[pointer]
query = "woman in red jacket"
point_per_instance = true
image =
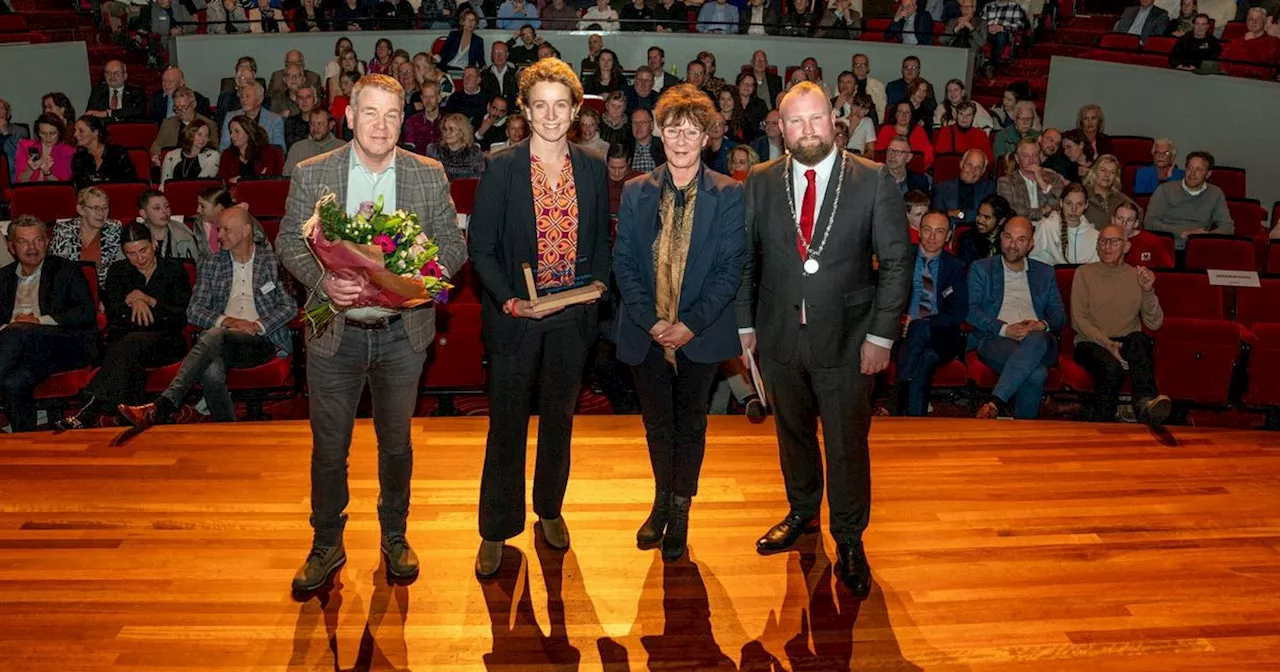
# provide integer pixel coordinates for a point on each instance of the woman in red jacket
(250, 154)
(904, 125)
(962, 136)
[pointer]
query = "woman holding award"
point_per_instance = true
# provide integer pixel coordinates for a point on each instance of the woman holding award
(541, 223)
(681, 245)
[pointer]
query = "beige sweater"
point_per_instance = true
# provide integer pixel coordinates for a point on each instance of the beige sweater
(1106, 303)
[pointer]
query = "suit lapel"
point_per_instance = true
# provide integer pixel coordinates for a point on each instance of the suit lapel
(336, 173)
(47, 279)
(521, 184)
(647, 216)
(828, 200)
(704, 210)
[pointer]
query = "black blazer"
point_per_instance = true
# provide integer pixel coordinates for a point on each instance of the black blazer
(845, 299)
(772, 18)
(774, 83)
(133, 106)
(510, 84)
(159, 106)
(503, 236)
(64, 296)
(712, 272)
(116, 167)
(169, 286)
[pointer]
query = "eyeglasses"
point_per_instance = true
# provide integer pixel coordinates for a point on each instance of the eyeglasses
(1109, 242)
(671, 133)
(899, 152)
(96, 208)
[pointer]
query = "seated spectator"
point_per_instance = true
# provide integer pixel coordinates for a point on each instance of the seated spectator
(800, 19)
(760, 17)
(646, 149)
(472, 101)
(90, 236)
(348, 64)
(1143, 248)
(712, 84)
(249, 155)
(285, 102)
(559, 16)
(171, 239)
(715, 155)
(1111, 303)
(501, 77)
(904, 126)
(727, 106)
(917, 202)
(115, 99)
(226, 17)
(462, 47)
(263, 18)
(741, 159)
(162, 103)
(1013, 335)
(1031, 190)
(52, 103)
(1066, 236)
(119, 15)
(840, 21)
(846, 89)
(194, 158)
(920, 97)
(695, 74)
(49, 316)
(424, 70)
(938, 305)
(1196, 46)
(965, 31)
(962, 136)
(749, 107)
(1078, 153)
(1143, 20)
(1003, 114)
(338, 109)
(911, 25)
(229, 98)
(717, 17)
(457, 149)
(493, 127)
(1164, 168)
(1184, 22)
(947, 112)
(1191, 205)
(47, 158)
(513, 14)
(145, 299)
(11, 134)
(636, 16)
(307, 100)
(318, 141)
(244, 311)
(600, 16)
(960, 197)
(353, 15)
(670, 16)
(185, 113)
(589, 131)
(1051, 155)
(768, 83)
(607, 76)
(813, 73)
(210, 205)
(526, 46)
(251, 107)
(1023, 127)
(615, 126)
(1255, 53)
(983, 240)
(871, 86)
(897, 156)
(618, 164)
(96, 161)
(1002, 21)
(771, 145)
(641, 92)
(862, 133)
(1103, 183)
(310, 17)
(334, 68)
(1092, 124)
(517, 129)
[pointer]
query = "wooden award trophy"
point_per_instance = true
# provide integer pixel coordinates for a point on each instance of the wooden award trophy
(563, 299)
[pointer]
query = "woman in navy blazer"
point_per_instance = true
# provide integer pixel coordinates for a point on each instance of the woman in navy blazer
(462, 37)
(674, 326)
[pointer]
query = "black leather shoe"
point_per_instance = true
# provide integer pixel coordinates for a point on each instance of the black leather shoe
(402, 562)
(650, 533)
(784, 535)
(676, 540)
(853, 569)
(756, 412)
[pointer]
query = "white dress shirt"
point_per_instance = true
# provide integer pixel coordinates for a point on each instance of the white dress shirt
(1033, 191)
(27, 300)
(1016, 306)
(240, 303)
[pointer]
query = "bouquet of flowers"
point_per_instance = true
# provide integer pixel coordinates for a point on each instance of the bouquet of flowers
(389, 251)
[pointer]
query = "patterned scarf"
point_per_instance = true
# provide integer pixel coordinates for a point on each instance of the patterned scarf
(671, 249)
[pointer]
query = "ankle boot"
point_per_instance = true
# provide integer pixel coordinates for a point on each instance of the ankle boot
(677, 536)
(651, 531)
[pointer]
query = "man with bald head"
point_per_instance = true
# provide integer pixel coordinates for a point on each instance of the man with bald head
(824, 323)
(115, 99)
(278, 87)
(960, 196)
(244, 313)
(1111, 303)
(1015, 312)
(171, 82)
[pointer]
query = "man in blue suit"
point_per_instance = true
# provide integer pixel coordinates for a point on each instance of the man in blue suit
(959, 197)
(911, 25)
(938, 306)
(1015, 311)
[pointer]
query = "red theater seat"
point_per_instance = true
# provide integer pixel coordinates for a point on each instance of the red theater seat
(1132, 149)
(49, 202)
(141, 164)
(275, 374)
(137, 135)
(184, 195)
(1258, 305)
(1227, 253)
(946, 167)
(1197, 348)
(456, 361)
(1189, 295)
(266, 198)
(873, 30)
(1123, 41)
(463, 192)
(122, 198)
(1232, 181)
(1247, 215)
(69, 383)
(1264, 367)
(1159, 45)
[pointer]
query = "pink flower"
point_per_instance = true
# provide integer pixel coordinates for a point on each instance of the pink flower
(432, 269)
(384, 241)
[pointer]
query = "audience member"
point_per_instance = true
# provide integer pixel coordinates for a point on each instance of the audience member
(244, 312)
(90, 236)
(319, 140)
(338, 108)
(285, 102)
(716, 152)
(310, 17)
(46, 158)
(657, 62)
(760, 17)
(636, 16)
(279, 86)
(1078, 154)
(862, 136)
(911, 25)
(227, 17)
(1182, 23)
(1031, 190)
(753, 109)
(1191, 205)
(600, 16)
(307, 100)
(462, 47)
(607, 76)
(589, 131)
(500, 78)
(514, 14)
(800, 19)
(1144, 20)
(52, 103)
(618, 164)
(840, 21)
(380, 64)
(595, 44)
(741, 159)
(960, 197)
(49, 316)
(425, 70)
(948, 111)
(920, 97)
(896, 91)
(1023, 127)
(904, 126)
(1093, 124)
(871, 86)
(162, 103)
(897, 156)
(251, 108)
(421, 130)
(249, 154)
(646, 148)
(1164, 168)
(917, 204)
(1111, 303)
(471, 102)
(1015, 311)
(172, 239)
(559, 16)
(457, 150)
(727, 106)
(95, 160)
(517, 129)
(1051, 155)
(11, 134)
(641, 92)
(115, 99)
(770, 145)
(615, 126)
(1002, 21)
(349, 66)
(1103, 183)
(1143, 248)
(1004, 113)
(670, 16)
(185, 113)
(1196, 46)
(493, 127)
(717, 17)
(965, 30)
(983, 240)
(812, 72)
(768, 83)
(1066, 236)
(145, 300)
(962, 135)
(711, 84)
(194, 158)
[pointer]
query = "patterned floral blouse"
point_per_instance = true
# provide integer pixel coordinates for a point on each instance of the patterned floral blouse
(556, 212)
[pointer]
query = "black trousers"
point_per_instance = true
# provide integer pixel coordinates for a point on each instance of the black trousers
(800, 392)
(1108, 374)
(123, 376)
(28, 355)
(549, 360)
(673, 404)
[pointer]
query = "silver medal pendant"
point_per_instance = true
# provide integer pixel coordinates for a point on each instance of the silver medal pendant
(810, 266)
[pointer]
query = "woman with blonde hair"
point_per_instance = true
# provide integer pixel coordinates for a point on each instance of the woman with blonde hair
(1092, 123)
(1103, 184)
(457, 149)
(541, 216)
(91, 236)
(741, 159)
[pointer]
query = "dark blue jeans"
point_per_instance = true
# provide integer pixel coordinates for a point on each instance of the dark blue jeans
(214, 352)
(1023, 367)
(917, 360)
(389, 365)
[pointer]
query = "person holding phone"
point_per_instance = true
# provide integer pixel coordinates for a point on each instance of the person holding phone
(45, 158)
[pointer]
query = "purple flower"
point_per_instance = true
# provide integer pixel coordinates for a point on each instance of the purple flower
(443, 297)
(366, 208)
(432, 269)
(384, 241)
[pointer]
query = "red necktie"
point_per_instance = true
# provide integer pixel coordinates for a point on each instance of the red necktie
(115, 99)
(806, 212)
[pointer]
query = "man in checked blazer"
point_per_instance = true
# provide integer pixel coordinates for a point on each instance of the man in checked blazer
(384, 348)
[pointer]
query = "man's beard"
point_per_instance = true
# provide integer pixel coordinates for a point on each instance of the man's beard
(811, 155)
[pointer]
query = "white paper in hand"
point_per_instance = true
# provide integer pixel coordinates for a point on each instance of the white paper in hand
(757, 380)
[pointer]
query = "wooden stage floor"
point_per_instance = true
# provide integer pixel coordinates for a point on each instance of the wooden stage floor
(995, 546)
